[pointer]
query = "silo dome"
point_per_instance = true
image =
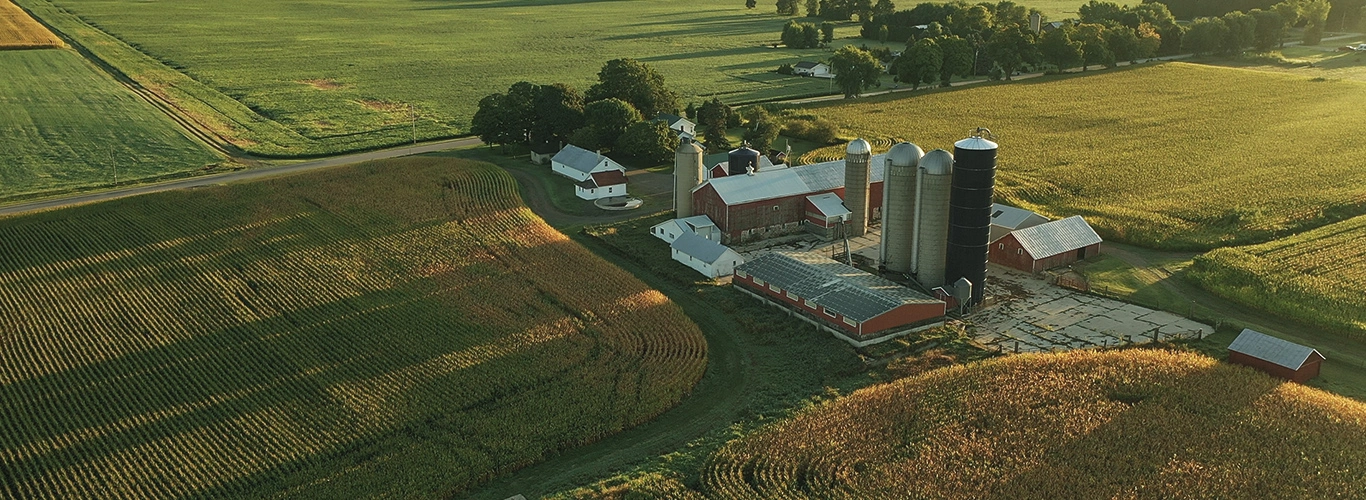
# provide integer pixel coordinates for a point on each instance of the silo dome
(859, 147)
(975, 144)
(937, 162)
(905, 154)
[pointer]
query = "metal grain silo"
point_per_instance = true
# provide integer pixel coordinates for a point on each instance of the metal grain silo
(974, 179)
(898, 206)
(931, 236)
(856, 177)
(688, 173)
(741, 160)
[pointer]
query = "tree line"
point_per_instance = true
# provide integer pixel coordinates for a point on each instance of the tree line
(617, 113)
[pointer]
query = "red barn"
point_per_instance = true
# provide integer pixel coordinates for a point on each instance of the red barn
(1046, 246)
(1280, 358)
(772, 201)
(860, 305)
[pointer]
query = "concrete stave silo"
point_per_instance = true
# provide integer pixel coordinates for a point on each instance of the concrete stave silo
(974, 181)
(688, 173)
(931, 235)
(899, 206)
(856, 178)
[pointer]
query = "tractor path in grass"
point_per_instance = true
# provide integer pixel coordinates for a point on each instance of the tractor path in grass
(230, 177)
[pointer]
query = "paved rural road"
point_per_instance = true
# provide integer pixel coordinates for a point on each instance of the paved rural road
(238, 176)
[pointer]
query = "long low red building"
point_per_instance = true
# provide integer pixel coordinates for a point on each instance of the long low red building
(772, 201)
(859, 305)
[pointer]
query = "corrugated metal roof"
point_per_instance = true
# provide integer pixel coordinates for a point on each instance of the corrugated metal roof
(577, 158)
(1011, 217)
(705, 250)
(1059, 236)
(839, 288)
(792, 181)
(609, 178)
(1265, 347)
(829, 205)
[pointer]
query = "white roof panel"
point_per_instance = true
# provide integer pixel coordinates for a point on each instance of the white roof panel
(829, 205)
(1011, 217)
(698, 247)
(792, 181)
(1057, 237)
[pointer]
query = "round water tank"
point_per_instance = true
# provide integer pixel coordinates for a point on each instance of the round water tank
(742, 159)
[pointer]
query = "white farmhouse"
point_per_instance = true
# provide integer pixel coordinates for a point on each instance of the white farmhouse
(580, 164)
(816, 69)
(701, 225)
(705, 256)
(685, 128)
(602, 185)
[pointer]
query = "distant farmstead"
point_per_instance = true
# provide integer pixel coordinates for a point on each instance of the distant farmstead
(857, 306)
(1046, 246)
(685, 128)
(1280, 358)
(816, 69)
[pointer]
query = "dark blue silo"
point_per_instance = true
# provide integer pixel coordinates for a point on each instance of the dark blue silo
(742, 158)
(970, 200)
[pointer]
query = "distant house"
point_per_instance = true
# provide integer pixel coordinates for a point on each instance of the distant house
(700, 225)
(602, 185)
(1005, 218)
(580, 164)
(1280, 358)
(685, 128)
(705, 256)
(1046, 246)
(816, 69)
(824, 214)
(1047, 27)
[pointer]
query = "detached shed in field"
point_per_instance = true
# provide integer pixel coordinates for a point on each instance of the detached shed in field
(1278, 357)
(1046, 246)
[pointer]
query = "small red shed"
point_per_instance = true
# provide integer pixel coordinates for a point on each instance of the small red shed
(1046, 246)
(1280, 358)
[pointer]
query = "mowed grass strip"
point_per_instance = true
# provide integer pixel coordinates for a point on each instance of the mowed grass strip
(1316, 277)
(68, 126)
(1083, 424)
(18, 30)
(1172, 156)
(288, 78)
(405, 328)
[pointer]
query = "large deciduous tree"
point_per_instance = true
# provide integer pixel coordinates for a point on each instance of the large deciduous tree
(1093, 47)
(920, 63)
(1123, 42)
(649, 142)
(559, 112)
(787, 7)
(958, 58)
(761, 130)
(1268, 29)
(1290, 11)
(1011, 47)
(606, 120)
(855, 70)
(1059, 49)
(1316, 14)
(491, 121)
(639, 85)
(1206, 35)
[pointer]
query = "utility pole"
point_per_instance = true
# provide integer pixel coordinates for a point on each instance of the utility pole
(412, 113)
(113, 165)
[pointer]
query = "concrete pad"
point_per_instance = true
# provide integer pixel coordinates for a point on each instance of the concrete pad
(1160, 317)
(1106, 325)
(1057, 305)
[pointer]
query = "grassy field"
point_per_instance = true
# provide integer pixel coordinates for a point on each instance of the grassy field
(1187, 166)
(68, 126)
(1316, 277)
(403, 328)
(19, 31)
(1085, 424)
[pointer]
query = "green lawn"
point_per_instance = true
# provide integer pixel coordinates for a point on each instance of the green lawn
(1206, 157)
(65, 125)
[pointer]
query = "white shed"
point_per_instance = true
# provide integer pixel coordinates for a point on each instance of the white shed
(705, 256)
(701, 225)
(580, 164)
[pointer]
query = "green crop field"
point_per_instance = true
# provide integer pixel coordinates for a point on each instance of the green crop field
(1084, 424)
(1317, 277)
(68, 126)
(403, 328)
(290, 78)
(1173, 155)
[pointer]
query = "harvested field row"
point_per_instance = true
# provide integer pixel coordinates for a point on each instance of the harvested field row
(19, 31)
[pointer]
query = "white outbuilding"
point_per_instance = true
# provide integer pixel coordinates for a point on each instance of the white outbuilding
(602, 185)
(705, 256)
(580, 164)
(701, 225)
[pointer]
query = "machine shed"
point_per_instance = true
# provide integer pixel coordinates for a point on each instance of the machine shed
(1046, 246)
(1278, 357)
(858, 304)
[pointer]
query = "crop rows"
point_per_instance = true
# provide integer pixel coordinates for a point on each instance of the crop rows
(1202, 162)
(19, 31)
(1317, 276)
(1083, 424)
(318, 334)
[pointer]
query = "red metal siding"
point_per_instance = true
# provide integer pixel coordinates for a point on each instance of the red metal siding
(1008, 252)
(760, 218)
(1307, 371)
(904, 315)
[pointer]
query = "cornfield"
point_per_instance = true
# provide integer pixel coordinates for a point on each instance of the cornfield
(1128, 424)
(19, 31)
(1209, 157)
(1316, 277)
(404, 328)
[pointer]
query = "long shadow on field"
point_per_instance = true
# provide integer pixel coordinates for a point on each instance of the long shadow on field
(1167, 437)
(469, 5)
